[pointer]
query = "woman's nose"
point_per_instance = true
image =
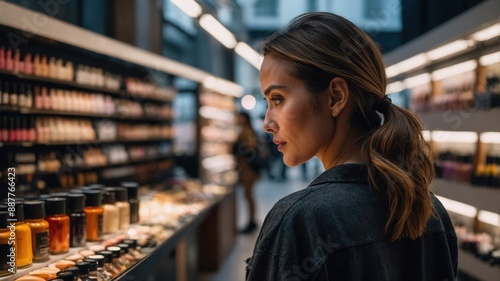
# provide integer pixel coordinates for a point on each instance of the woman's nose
(269, 125)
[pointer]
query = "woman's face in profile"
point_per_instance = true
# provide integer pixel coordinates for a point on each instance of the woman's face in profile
(300, 130)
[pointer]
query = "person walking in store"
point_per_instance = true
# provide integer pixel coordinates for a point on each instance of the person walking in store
(370, 215)
(246, 151)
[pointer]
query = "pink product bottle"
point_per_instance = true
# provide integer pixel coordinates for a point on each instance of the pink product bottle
(2, 57)
(28, 64)
(16, 61)
(9, 64)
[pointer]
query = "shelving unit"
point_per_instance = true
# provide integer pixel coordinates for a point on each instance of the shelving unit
(454, 86)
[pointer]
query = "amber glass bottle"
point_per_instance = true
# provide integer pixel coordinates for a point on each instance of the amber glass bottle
(34, 218)
(24, 254)
(6, 262)
(58, 225)
(94, 212)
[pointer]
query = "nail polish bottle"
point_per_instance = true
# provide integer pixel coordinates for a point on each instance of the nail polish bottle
(29, 97)
(78, 220)
(4, 132)
(22, 95)
(37, 70)
(5, 94)
(94, 213)
(61, 71)
(13, 95)
(2, 57)
(45, 98)
(44, 67)
(12, 129)
(18, 129)
(38, 98)
(32, 131)
(16, 61)
(28, 64)
(70, 72)
(9, 63)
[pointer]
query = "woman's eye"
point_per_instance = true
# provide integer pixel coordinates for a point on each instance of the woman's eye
(276, 101)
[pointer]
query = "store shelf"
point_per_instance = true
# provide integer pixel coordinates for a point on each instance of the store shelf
(483, 198)
(32, 111)
(476, 121)
(74, 85)
(90, 142)
(477, 268)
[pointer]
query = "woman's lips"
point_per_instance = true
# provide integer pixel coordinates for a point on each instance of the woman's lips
(280, 144)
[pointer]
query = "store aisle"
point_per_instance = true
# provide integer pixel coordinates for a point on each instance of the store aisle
(267, 193)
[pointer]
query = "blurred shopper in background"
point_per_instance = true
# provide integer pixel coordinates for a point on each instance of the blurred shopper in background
(246, 150)
(370, 215)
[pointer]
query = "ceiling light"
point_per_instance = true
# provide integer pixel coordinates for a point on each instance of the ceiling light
(487, 33)
(489, 217)
(218, 31)
(490, 137)
(249, 54)
(223, 86)
(448, 49)
(490, 59)
(454, 137)
(418, 80)
(395, 87)
(406, 65)
(454, 70)
(190, 7)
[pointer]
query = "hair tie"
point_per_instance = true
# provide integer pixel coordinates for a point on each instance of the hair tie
(382, 104)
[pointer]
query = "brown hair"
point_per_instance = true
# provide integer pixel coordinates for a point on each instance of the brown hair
(318, 47)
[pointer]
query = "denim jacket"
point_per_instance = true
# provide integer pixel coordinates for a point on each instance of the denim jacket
(334, 230)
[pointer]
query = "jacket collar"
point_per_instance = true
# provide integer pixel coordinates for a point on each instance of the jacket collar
(352, 173)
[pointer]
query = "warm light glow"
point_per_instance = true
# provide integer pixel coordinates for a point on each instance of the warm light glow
(248, 102)
(490, 137)
(218, 31)
(210, 112)
(490, 59)
(427, 135)
(455, 137)
(190, 7)
(489, 217)
(406, 65)
(249, 54)
(487, 33)
(218, 163)
(458, 207)
(395, 87)
(418, 80)
(454, 70)
(223, 86)
(448, 49)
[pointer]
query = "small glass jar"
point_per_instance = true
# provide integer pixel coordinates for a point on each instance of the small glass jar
(132, 191)
(123, 206)
(24, 254)
(101, 273)
(109, 266)
(7, 258)
(34, 218)
(94, 213)
(111, 215)
(77, 220)
(58, 225)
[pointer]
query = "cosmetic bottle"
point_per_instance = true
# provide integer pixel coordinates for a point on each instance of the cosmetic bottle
(5, 93)
(9, 63)
(22, 95)
(29, 97)
(111, 215)
(7, 258)
(101, 272)
(78, 219)
(16, 60)
(2, 57)
(13, 95)
(123, 206)
(132, 191)
(24, 254)
(34, 218)
(59, 225)
(94, 213)
(28, 64)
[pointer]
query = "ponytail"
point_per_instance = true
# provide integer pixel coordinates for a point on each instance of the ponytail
(400, 165)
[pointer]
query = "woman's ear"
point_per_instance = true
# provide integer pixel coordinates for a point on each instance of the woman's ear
(339, 95)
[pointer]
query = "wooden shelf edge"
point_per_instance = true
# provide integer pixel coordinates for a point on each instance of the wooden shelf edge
(483, 198)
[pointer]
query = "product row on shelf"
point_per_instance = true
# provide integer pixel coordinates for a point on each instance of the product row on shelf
(57, 231)
(19, 63)
(52, 99)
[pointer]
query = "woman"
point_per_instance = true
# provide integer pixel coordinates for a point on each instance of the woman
(370, 215)
(246, 151)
